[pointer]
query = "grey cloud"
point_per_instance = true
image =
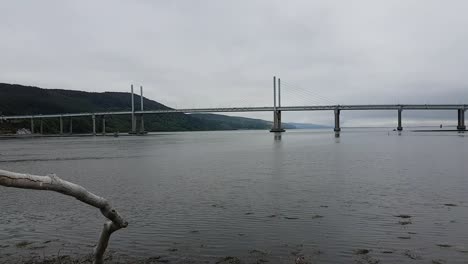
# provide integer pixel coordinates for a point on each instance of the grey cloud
(224, 53)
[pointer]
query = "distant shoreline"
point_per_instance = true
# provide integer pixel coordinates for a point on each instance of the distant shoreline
(125, 134)
(438, 130)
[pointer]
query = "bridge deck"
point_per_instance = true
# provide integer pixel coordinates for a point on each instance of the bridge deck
(255, 109)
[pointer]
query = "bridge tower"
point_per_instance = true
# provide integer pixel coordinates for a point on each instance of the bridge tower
(142, 120)
(133, 113)
(277, 113)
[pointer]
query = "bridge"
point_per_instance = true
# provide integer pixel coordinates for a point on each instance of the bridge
(276, 109)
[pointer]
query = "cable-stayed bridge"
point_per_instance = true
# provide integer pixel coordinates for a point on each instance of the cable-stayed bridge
(276, 109)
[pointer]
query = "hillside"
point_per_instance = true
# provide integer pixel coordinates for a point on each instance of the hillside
(23, 100)
(227, 122)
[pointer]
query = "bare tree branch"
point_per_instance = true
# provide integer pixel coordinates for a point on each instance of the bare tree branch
(54, 183)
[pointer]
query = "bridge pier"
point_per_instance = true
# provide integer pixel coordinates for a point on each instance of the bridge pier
(41, 126)
(141, 129)
(32, 125)
(337, 120)
(461, 120)
(399, 128)
(277, 122)
(142, 125)
(103, 125)
(94, 124)
(71, 126)
(61, 125)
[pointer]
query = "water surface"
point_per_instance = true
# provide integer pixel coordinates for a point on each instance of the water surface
(207, 195)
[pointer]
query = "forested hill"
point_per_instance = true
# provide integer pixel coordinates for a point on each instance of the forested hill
(23, 100)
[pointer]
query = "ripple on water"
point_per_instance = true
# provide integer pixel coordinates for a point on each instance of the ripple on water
(305, 197)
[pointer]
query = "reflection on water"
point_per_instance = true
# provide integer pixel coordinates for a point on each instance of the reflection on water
(374, 196)
(277, 136)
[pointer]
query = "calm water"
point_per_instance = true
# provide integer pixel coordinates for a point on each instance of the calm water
(203, 196)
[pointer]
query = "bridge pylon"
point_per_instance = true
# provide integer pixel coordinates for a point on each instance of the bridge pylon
(133, 131)
(142, 119)
(277, 127)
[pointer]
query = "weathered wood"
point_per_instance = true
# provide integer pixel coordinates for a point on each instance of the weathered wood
(54, 183)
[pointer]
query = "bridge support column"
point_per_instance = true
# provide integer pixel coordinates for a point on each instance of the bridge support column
(42, 127)
(104, 125)
(71, 125)
(277, 122)
(337, 121)
(133, 125)
(142, 125)
(399, 128)
(94, 125)
(32, 125)
(461, 120)
(61, 126)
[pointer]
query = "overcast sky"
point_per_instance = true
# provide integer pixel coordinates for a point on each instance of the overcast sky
(224, 53)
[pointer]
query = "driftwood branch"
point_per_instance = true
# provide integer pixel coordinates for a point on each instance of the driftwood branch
(54, 183)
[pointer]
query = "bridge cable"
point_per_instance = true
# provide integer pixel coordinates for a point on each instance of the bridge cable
(309, 92)
(304, 95)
